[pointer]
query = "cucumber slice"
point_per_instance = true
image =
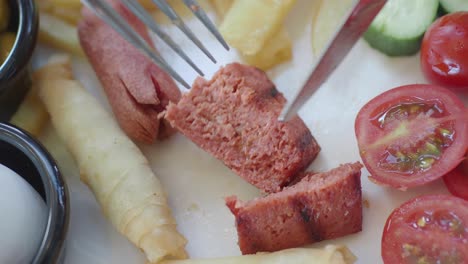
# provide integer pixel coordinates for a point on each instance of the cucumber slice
(450, 6)
(399, 27)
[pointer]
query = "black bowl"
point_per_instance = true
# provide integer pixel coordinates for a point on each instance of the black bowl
(15, 73)
(28, 158)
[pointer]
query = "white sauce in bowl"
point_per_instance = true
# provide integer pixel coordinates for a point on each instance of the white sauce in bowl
(23, 218)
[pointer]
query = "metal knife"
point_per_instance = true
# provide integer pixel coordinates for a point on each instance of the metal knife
(354, 25)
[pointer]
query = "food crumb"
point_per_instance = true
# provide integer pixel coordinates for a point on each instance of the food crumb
(194, 8)
(366, 203)
(193, 207)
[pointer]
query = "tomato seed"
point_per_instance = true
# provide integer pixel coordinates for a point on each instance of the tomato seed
(410, 250)
(432, 149)
(422, 222)
(445, 133)
(426, 162)
(425, 260)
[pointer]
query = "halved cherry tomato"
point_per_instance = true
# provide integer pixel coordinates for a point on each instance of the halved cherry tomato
(427, 229)
(412, 135)
(457, 180)
(444, 51)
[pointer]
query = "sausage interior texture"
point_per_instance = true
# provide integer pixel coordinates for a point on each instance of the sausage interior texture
(321, 206)
(137, 89)
(234, 116)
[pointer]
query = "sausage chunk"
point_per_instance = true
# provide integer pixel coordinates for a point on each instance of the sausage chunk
(234, 116)
(321, 206)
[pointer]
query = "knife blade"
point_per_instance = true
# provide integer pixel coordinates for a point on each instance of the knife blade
(354, 24)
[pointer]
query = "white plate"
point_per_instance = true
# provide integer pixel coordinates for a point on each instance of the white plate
(197, 183)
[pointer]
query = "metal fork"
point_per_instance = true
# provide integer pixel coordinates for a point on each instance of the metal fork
(105, 11)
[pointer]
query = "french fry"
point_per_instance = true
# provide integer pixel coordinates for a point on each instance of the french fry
(119, 175)
(328, 255)
(277, 51)
(4, 14)
(248, 24)
(7, 41)
(76, 4)
(70, 10)
(221, 7)
(31, 114)
(329, 16)
(59, 34)
(179, 7)
(69, 4)
(69, 15)
(44, 5)
(57, 67)
(148, 5)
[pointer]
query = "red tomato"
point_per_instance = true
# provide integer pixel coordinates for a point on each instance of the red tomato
(457, 180)
(444, 51)
(427, 229)
(412, 135)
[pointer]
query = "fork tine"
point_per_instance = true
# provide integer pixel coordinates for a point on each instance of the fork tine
(201, 15)
(138, 10)
(111, 17)
(169, 12)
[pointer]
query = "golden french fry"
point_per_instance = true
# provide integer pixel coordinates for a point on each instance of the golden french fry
(76, 4)
(71, 4)
(44, 5)
(59, 34)
(69, 15)
(277, 51)
(31, 114)
(329, 16)
(148, 4)
(7, 40)
(328, 255)
(248, 24)
(179, 7)
(4, 14)
(58, 67)
(221, 6)
(70, 10)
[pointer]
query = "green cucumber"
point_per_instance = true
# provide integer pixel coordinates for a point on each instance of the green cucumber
(450, 6)
(400, 26)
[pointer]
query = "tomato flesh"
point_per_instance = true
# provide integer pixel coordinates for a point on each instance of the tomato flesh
(421, 154)
(427, 229)
(412, 135)
(444, 51)
(457, 181)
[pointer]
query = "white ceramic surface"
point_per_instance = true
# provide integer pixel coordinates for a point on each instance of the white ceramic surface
(196, 182)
